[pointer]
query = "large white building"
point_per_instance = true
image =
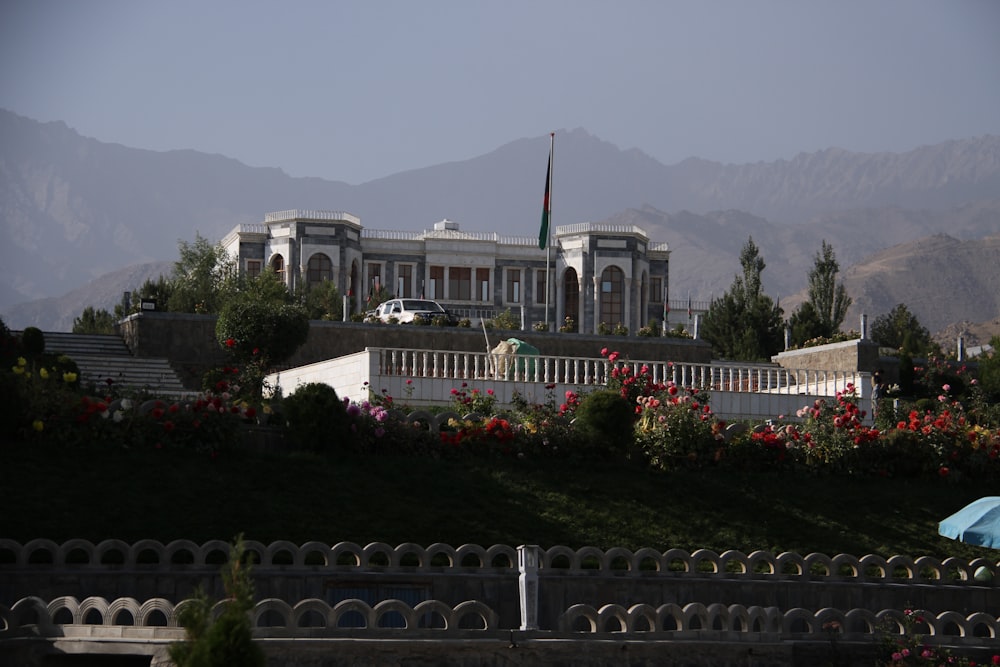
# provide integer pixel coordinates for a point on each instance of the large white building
(600, 273)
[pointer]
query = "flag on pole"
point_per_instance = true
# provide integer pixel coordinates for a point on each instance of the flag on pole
(543, 233)
(689, 306)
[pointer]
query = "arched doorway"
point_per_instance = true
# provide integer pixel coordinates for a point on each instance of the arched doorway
(571, 298)
(277, 265)
(612, 297)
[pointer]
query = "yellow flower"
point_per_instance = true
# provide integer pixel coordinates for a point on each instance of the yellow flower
(43, 373)
(69, 377)
(18, 370)
(38, 425)
(21, 361)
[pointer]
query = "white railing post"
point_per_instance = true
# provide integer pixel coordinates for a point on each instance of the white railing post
(527, 564)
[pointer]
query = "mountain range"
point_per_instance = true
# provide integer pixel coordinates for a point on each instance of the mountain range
(918, 228)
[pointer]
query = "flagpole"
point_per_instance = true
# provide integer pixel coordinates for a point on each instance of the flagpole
(548, 244)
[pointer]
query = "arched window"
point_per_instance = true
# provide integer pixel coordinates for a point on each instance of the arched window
(571, 298)
(612, 296)
(320, 268)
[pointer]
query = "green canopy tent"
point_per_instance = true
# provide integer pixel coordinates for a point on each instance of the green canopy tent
(515, 358)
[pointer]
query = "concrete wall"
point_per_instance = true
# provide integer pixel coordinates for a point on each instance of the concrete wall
(566, 577)
(189, 342)
(851, 355)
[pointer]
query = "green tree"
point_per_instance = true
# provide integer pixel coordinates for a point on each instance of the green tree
(744, 323)
(203, 278)
(158, 290)
(988, 371)
(322, 301)
(900, 330)
(824, 312)
(94, 322)
(228, 640)
(268, 287)
(259, 332)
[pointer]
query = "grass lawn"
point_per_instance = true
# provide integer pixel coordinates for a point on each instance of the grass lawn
(97, 494)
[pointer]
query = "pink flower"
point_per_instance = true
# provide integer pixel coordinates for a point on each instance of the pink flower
(604, 351)
(612, 357)
(946, 387)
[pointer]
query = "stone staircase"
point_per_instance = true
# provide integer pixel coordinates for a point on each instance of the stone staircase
(102, 358)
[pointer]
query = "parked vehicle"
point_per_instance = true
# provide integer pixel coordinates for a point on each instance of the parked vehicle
(404, 310)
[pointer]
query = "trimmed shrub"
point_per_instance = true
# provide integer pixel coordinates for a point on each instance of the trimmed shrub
(33, 342)
(606, 419)
(317, 419)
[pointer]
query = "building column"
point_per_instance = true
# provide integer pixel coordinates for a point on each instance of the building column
(597, 303)
(629, 315)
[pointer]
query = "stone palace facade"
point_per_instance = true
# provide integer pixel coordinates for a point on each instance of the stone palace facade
(600, 273)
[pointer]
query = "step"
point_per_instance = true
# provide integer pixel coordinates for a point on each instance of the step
(72, 344)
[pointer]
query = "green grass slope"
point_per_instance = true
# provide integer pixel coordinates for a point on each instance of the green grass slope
(132, 494)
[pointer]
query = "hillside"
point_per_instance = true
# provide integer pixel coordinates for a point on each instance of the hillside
(74, 209)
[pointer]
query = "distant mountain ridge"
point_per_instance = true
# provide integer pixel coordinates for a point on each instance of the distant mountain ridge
(74, 209)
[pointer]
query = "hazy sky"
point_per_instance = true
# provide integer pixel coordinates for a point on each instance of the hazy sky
(354, 90)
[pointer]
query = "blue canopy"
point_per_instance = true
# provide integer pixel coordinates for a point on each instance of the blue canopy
(977, 523)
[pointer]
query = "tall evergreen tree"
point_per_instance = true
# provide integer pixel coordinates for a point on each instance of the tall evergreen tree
(744, 323)
(824, 312)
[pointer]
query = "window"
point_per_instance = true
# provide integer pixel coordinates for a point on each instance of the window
(404, 280)
(540, 285)
(320, 268)
(612, 296)
(374, 277)
(656, 290)
(278, 266)
(483, 284)
(436, 288)
(253, 268)
(460, 283)
(514, 285)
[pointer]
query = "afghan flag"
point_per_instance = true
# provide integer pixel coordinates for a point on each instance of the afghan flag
(543, 233)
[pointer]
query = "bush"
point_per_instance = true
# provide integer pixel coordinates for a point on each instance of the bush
(606, 419)
(317, 419)
(506, 320)
(651, 330)
(225, 638)
(33, 342)
(676, 429)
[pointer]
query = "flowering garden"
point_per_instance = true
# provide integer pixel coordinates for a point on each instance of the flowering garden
(944, 429)
(948, 428)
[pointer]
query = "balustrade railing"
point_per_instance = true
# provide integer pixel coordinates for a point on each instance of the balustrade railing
(583, 371)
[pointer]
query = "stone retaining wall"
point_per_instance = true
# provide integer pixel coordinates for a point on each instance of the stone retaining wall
(188, 341)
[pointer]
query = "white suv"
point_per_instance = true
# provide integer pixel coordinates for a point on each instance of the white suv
(404, 310)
